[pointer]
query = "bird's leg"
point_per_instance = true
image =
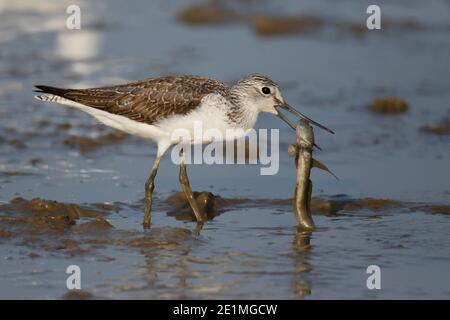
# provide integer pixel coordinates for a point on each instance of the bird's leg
(198, 228)
(184, 181)
(149, 186)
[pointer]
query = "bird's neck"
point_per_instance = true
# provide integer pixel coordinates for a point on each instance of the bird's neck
(241, 114)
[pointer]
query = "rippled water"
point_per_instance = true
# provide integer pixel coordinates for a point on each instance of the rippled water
(252, 249)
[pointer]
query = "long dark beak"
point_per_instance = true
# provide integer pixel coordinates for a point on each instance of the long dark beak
(287, 107)
(285, 119)
(290, 124)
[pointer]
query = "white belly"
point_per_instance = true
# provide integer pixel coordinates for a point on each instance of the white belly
(205, 124)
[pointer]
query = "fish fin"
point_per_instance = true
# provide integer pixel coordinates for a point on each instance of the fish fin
(320, 165)
(292, 150)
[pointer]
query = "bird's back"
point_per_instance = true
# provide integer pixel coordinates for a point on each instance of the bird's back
(149, 100)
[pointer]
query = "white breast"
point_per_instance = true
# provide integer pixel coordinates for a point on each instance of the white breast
(210, 117)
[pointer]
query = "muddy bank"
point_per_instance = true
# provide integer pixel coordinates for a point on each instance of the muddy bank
(42, 217)
(77, 229)
(80, 230)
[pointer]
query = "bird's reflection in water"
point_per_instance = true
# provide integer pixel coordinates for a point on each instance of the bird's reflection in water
(301, 248)
(168, 268)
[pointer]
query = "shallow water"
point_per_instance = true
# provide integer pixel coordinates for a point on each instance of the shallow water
(252, 249)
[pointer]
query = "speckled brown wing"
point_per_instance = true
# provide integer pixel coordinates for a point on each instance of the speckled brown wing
(148, 100)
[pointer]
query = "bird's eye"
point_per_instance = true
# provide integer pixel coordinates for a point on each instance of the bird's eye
(265, 90)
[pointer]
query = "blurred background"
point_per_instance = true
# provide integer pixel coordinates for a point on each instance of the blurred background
(386, 94)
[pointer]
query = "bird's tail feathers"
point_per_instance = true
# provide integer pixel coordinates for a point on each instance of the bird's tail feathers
(51, 94)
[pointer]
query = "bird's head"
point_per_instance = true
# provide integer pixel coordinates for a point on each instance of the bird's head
(263, 95)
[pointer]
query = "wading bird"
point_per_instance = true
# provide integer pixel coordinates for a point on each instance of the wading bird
(154, 108)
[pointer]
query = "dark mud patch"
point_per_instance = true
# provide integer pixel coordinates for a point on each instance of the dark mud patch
(77, 295)
(42, 207)
(98, 225)
(85, 144)
(442, 128)
(35, 161)
(390, 105)
(371, 204)
(64, 126)
(5, 234)
(360, 29)
(66, 246)
(207, 202)
(269, 26)
(15, 143)
(206, 14)
(357, 29)
(435, 209)
(14, 173)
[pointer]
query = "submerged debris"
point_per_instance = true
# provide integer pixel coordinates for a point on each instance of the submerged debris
(372, 204)
(14, 173)
(5, 234)
(266, 26)
(84, 144)
(390, 105)
(206, 14)
(436, 209)
(77, 295)
(442, 128)
(207, 202)
(356, 28)
(15, 143)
